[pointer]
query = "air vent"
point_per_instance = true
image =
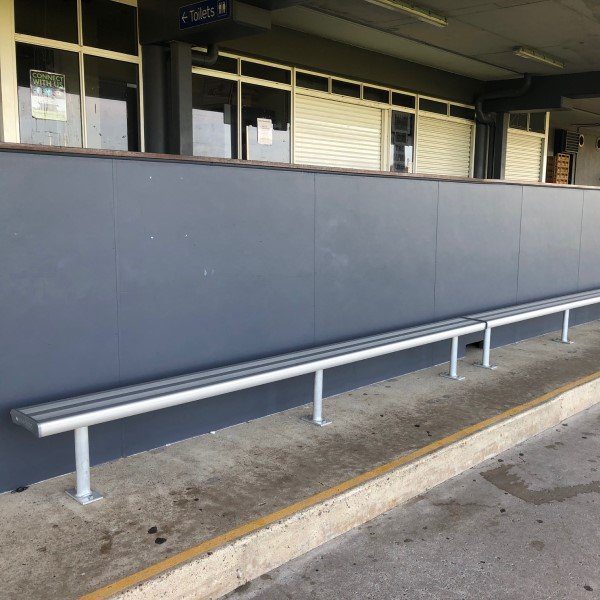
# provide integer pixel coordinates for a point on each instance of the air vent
(566, 142)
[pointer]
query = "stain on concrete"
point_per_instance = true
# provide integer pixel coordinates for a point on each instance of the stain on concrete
(510, 482)
(537, 545)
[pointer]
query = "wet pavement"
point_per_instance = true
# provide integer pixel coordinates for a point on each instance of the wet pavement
(525, 524)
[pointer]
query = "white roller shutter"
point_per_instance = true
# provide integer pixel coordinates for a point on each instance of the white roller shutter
(524, 155)
(329, 133)
(444, 146)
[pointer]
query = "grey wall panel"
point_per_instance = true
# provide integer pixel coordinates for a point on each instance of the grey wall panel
(549, 254)
(57, 299)
(215, 265)
(167, 426)
(478, 235)
(375, 254)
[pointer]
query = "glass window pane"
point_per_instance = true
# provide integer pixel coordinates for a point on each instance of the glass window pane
(110, 25)
(225, 64)
(376, 95)
(462, 112)
(266, 123)
(518, 121)
(433, 106)
(344, 88)
(312, 82)
(251, 69)
(402, 142)
(111, 104)
(404, 100)
(47, 114)
(54, 19)
(537, 122)
(214, 114)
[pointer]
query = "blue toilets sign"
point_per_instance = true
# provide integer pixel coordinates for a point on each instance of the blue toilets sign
(204, 13)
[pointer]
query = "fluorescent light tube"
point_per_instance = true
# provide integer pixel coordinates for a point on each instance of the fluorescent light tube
(423, 14)
(533, 54)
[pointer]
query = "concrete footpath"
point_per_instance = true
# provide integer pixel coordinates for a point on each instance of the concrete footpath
(525, 524)
(173, 505)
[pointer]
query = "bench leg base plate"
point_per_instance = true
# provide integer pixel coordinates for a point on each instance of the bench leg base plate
(482, 366)
(321, 423)
(91, 497)
(448, 376)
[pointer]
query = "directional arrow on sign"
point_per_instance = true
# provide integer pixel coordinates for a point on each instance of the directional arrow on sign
(184, 18)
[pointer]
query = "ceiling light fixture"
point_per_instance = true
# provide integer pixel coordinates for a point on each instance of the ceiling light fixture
(423, 14)
(533, 54)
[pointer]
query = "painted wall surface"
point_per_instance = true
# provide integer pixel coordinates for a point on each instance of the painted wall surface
(117, 271)
(587, 171)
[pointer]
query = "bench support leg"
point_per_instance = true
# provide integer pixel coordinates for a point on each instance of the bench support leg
(453, 374)
(82, 493)
(487, 342)
(317, 416)
(565, 328)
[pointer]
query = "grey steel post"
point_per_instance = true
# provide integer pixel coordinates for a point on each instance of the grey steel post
(487, 342)
(83, 493)
(453, 374)
(317, 416)
(565, 328)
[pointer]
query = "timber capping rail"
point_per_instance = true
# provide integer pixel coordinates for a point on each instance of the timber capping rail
(77, 414)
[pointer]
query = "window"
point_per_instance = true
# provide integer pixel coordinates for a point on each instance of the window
(403, 100)
(57, 120)
(260, 71)
(537, 122)
(433, 106)
(462, 112)
(518, 121)
(214, 117)
(111, 104)
(402, 142)
(376, 95)
(57, 56)
(225, 64)
(345, 88)
(312, 82)
(266, 123)
(53, 19)
(109, 25)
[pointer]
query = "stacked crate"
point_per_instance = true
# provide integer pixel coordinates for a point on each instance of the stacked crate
(558, 169)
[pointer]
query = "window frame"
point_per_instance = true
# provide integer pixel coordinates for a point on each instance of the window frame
(10, 121)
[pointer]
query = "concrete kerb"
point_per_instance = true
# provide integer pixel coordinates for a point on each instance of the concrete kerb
(220, 565)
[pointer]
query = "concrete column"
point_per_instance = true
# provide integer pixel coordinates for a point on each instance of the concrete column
(180, 99)
(498, 160)
(155, 67)
(481, 151)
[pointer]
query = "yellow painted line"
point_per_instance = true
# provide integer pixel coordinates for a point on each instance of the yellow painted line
(288, 511)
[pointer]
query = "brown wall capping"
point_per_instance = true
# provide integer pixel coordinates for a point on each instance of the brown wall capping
(148, 156)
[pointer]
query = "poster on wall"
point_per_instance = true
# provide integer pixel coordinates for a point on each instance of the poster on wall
(265, 132)
(48, 95)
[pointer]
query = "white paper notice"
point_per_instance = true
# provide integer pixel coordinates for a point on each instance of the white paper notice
(265, 132)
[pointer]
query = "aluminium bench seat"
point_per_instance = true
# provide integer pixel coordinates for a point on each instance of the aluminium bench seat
(66, 415)
(531, 310)
(78, 413)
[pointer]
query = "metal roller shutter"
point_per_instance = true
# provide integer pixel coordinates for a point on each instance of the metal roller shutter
(329, 133)
(444, 146)
(524, 154)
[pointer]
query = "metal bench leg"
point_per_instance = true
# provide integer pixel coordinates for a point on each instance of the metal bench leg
(487, 342)
(453, 374)
(565, 328)
(317, 416)
(83, 494)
